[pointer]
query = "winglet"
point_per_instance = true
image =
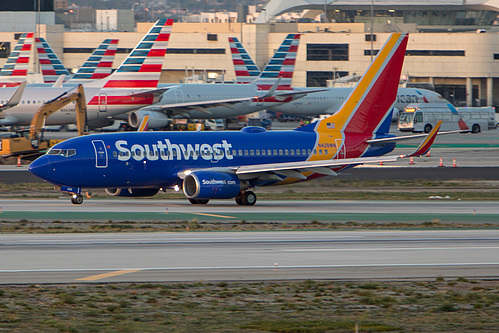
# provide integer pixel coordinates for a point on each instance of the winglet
(424, 147)
(144, 124)
(16, 97)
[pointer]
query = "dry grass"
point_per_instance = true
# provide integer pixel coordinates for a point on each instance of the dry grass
(300, 306)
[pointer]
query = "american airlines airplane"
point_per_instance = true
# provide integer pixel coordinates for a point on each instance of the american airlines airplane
(132, 86)
(323, 102)
(228, 164)
(207, 101)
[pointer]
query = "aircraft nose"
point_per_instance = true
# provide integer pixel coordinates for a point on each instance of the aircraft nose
(40, 167)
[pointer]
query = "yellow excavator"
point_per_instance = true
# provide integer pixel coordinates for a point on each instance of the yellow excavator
(32, 142)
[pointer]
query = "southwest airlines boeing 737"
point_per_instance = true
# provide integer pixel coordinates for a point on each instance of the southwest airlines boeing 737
(223, 165)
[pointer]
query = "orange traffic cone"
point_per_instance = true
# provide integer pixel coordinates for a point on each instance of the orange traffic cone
(441, 162)
(454, 163)
(19, 162)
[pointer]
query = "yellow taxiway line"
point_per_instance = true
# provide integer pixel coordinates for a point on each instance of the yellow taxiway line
(106, 275)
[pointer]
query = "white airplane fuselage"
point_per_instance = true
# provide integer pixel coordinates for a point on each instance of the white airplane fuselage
(102, 103)
(329, 101)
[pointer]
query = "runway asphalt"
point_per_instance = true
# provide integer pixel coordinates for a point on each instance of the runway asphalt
(242, 256)
(227, 211)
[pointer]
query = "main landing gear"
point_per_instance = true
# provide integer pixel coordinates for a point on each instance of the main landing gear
(247, 198)
(76, 199)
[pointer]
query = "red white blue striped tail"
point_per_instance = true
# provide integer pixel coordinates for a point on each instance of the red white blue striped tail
(50, 64)
(282, 65)
(100, 63)
(15, 69)
(246, 69)
(142, 67)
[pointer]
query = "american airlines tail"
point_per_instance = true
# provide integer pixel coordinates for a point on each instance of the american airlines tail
(99, 65)
(142, 67)
(52, 68)
(281, 66)
(15, 69)
(246, 69)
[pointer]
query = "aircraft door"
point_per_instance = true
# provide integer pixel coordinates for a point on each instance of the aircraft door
(179, 95)
(341, 149)
(100, 154)
(102, 103)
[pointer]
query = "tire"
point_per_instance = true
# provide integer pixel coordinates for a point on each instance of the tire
(475, 128)
(239, 200)
(199, 201)
(428, 128)
(76, 199)
(248, 198)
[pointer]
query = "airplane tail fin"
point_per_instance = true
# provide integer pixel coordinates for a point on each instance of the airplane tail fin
(50, 64)
(369, 105)
(282, 65)
(100, 63)
(142, 67)
(246, 69)
(15, 69)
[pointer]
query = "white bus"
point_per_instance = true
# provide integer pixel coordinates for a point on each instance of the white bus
(422, 117)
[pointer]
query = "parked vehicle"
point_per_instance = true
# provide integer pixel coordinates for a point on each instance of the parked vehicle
(422, 117)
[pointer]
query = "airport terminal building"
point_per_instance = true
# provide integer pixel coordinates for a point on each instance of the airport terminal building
(453, 46)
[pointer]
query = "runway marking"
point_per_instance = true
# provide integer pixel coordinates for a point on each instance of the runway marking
(106, 275)
(396, 249)
(214, 215)
(271, 266)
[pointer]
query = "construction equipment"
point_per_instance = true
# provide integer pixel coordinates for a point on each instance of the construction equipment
(32, 142)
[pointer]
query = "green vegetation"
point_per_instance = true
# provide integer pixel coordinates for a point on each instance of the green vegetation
(290, 307)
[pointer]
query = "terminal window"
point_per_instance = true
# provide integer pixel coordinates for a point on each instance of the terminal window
(4, 49)
(327, 52)
(435, 53)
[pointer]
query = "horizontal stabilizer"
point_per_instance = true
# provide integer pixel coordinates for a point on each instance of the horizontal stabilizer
(424, 147)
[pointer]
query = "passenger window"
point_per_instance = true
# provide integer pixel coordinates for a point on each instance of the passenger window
(246, 152)
(269, 152)
(258, 152)
(292, 151)
(115, 154)
(280, 152)
(303, 152)
(286, 152)
(275, 152)
(252, 152)
(263, 152)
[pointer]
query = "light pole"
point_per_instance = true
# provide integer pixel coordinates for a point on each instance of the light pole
(372, 30)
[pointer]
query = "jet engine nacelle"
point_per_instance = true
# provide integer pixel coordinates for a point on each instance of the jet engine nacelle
(156, 119)
(132, 192)
(211, 185)
(395, 115)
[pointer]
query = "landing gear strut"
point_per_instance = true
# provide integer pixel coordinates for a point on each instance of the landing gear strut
(76, 199)
(246, 198)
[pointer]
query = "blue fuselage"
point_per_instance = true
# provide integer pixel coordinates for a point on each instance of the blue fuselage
(155, 159)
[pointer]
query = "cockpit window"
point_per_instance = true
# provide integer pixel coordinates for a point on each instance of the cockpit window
(62, 152)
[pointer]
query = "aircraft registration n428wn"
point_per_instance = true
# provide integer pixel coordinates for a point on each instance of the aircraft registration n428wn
(229, 164)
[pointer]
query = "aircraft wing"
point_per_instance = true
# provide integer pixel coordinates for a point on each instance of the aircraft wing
(274, 171)
(15, 99)
(201, 106)
(155, 92)
(298, 92)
